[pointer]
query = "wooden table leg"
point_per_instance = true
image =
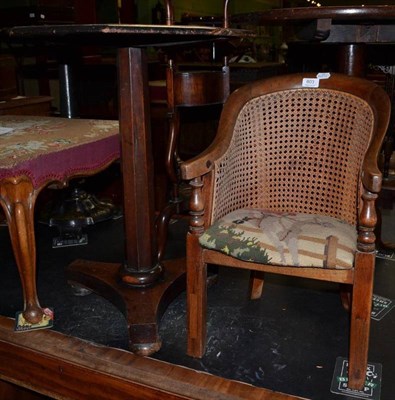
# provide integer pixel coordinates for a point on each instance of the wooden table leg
(351, 59)
(18, 197)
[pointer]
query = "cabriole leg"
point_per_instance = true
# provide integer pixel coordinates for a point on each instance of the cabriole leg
(18, 197)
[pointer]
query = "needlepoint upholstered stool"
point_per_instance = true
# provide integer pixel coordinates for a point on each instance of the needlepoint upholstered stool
(35, 152)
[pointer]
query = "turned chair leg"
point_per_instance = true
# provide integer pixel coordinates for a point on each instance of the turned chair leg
(361, 308)
(257, 279)
(196, 298)
(173, 206)
(345, 296)
(162, 228)
(172, 160)
(18, 197)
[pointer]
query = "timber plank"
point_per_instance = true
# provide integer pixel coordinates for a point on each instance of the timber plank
(65, 367)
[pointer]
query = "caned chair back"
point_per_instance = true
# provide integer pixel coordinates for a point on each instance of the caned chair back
(294, 149)
(300, 150)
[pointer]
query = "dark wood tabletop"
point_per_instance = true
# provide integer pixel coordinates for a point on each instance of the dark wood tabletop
(338, 13)
(350, 28)
(341, 24)
(119, 35)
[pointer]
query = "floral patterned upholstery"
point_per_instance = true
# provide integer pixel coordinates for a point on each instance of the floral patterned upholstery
(51, 149)
(283, 239)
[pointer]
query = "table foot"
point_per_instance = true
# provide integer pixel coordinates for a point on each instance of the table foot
(33, 313)
(142, 307)
(141, 278)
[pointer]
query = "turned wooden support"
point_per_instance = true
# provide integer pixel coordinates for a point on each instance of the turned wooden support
(174, 129)
(171, 153)
(18, 197)
(196, 207)
(367, 223)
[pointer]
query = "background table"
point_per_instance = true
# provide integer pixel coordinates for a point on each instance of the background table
(350, 28)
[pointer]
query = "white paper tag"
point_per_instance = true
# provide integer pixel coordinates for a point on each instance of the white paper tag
(311, 82)
(323, 75)
(3, 130)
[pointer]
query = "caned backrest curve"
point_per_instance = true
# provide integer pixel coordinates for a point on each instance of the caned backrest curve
(297, 150)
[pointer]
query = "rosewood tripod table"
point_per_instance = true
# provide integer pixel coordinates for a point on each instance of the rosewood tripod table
(142, 286)
(350, 28)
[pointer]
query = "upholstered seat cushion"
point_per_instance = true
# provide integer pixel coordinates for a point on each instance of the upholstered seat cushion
(283, 239)
(51, 149)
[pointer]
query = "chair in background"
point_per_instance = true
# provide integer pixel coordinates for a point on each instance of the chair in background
(35, 152)
(12, 102)
(289, 187)
(200, 87)
(189, 89)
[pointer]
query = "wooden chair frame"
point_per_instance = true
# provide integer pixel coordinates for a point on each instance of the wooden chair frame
(357, 283)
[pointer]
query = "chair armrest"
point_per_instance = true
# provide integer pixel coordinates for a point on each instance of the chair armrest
(371, 175)
(197, 166)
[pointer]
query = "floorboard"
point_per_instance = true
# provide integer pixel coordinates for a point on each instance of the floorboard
(286, 342)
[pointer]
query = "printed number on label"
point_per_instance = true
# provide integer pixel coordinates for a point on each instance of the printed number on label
(311, 82)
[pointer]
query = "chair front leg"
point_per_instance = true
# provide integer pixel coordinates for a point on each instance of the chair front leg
(361, 307)
(362, 293)
(196, 274)
(18, 197)
(196, 298)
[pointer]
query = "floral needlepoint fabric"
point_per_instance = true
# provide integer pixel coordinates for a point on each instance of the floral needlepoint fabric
(52, 148)
(283, 239)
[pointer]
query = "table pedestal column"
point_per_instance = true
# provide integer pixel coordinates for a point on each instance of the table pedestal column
(141, 287)
(352, 59)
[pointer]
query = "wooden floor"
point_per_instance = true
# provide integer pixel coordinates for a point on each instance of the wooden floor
(63, 367)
